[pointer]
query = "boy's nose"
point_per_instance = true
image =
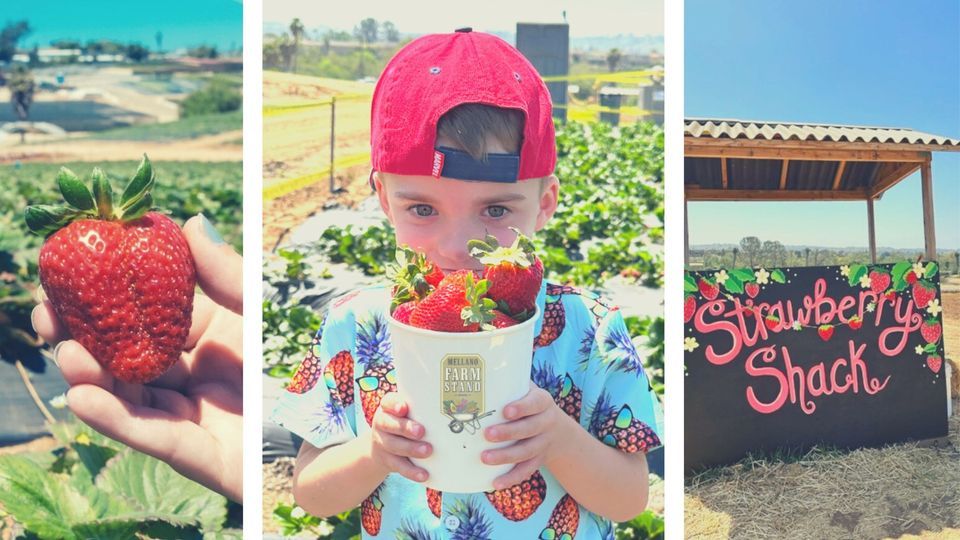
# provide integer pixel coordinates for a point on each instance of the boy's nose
(452, 248)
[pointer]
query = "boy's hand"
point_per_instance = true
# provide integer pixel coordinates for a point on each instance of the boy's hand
(395, 439)
(533, 422)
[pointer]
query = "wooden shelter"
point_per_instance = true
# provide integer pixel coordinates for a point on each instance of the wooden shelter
(731, 160)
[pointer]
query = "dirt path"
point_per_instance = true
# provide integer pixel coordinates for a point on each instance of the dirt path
(219, 147)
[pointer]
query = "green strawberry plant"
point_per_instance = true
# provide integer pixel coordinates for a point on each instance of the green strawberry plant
(93, 487)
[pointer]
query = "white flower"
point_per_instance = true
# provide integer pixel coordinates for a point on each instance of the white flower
(933, 307)
(918, 349)
(797, 326)
(918, 269)
(865, 281)
(762, 276)
(871, 306)
(59, 402)
(297, 512)
(845, 271)
(721, 276)
(690, 344)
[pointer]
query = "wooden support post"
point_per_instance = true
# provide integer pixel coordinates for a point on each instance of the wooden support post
(783, 174)
(929, 231)
(723, 172)
(871, 232)
(686, 236)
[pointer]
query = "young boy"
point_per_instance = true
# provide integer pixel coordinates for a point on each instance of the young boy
(463, 145)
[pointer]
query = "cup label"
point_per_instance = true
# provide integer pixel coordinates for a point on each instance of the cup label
(461, 391)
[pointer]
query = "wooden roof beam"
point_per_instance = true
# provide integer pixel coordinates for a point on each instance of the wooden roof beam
(699, 194)
(891, 179)
(839, 175)
(817, 145)
(694, 148)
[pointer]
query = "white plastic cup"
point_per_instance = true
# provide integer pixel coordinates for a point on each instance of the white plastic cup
(480, 373)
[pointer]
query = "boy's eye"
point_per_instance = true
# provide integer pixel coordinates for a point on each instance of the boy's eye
(496, 211)
(422, 210)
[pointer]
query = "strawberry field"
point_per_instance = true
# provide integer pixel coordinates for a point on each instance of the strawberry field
(607, 232)
(81, 484)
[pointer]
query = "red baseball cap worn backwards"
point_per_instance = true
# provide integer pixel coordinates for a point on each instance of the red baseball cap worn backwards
(438, 72)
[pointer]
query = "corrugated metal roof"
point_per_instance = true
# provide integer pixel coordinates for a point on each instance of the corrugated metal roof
(786, 131)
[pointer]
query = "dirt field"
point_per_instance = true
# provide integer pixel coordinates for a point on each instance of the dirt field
(220, 147)
(902, 491)
(298, 143)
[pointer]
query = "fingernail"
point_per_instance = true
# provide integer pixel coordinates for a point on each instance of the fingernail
(33, 318)
(423, 449)
(422, 476)
(508, 413)
(210, 231)
(56, 353)
(492, 434)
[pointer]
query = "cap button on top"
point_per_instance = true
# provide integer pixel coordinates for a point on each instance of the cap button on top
(464, 30)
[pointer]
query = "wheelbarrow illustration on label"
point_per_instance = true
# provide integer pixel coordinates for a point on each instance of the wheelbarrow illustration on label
(469, 421)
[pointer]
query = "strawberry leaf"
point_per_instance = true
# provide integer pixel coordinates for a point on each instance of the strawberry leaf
(103, 193)
(745, 275)
(930, 270)
(857, 271)
(930, 348)
(778, 276)
(45, 219)
(139, 186)
(140, 208)
(74, 192)
(689, 284)
(733, 285)
(900, 270)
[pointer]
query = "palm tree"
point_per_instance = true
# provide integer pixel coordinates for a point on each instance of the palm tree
(21, 94)
(613, 59)
(296, 30)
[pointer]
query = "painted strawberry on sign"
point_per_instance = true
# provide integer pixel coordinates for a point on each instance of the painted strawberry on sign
(689, 307)
(923, 293)
(118, 275)
(708, 290)
(931, 330)
(879, 281)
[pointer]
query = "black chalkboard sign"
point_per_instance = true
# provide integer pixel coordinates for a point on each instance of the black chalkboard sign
(788, 358)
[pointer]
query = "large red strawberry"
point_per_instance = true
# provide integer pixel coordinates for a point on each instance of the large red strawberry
(502, 320)
(879, 281)
(752, 288)
(520, 501)
(515, 273)
(931, 331)
(121, 278)
(923, 293)
(403, 312)
(707, 289)
(689, 308)
(934, 363)
(457, 305)
(564, 520)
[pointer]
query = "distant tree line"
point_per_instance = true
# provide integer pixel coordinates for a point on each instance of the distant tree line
(288, 53)
(752, 252)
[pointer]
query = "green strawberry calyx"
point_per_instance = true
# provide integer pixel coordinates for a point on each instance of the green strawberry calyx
(98, 203)
(479, 308)
(491, 253)
(408, 274)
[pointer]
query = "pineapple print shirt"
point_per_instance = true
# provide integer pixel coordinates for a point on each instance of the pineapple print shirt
(583, 356)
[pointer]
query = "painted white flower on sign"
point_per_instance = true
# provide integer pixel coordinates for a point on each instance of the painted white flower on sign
(918, 349)
(933, 307)
(762, 276)
(845, 271)
(721, 276)
(865, 282)
(918, 269)
(690, 344)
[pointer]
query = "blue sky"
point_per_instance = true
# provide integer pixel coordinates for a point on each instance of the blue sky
(877, 62)
(184, 23)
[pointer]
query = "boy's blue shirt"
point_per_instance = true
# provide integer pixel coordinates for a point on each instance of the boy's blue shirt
(583, 356)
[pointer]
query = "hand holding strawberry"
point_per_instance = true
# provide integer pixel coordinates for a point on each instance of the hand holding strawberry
(191, 416)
